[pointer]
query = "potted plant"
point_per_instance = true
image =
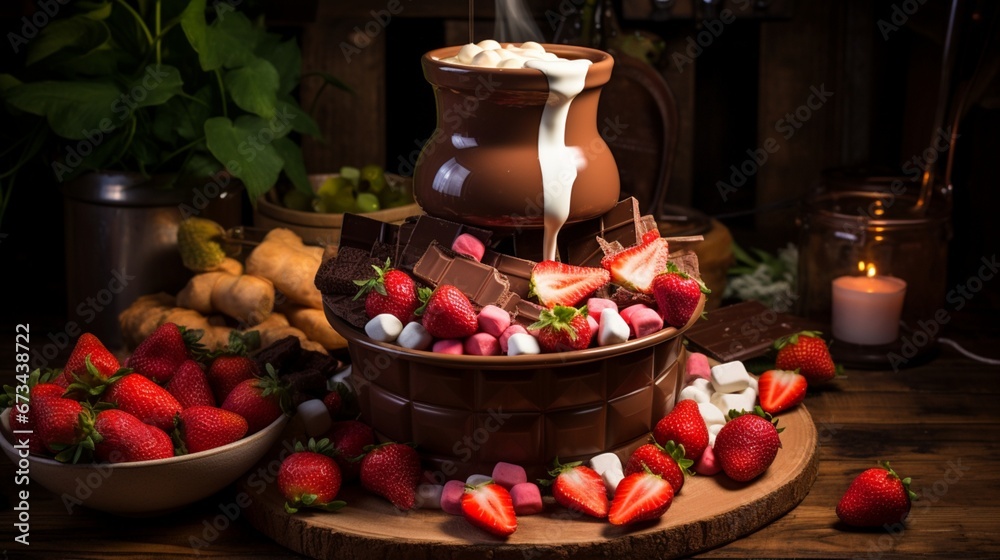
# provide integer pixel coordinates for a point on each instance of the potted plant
(148, 111)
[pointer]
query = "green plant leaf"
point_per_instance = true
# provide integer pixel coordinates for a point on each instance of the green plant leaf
(202, 165)
(229, 42)
(95, 10)
(299, 120)
(287, 60)
(155, 86)
(8, 82)
(240, 147)
(78, 32)
(295, 166)
(71, 108)
(254, 87)
(102, 61)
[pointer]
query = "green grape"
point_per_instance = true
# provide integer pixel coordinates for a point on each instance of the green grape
(375, 177)
(332, 185)
(352, 174)
(366, 202)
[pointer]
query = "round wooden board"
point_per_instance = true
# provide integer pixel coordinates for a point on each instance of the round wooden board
(708, 512)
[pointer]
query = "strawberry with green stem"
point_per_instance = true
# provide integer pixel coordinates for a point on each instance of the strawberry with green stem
(876, 498)
(140, 396)
(489, 507)
(677, 295)
(64, 427)
(808, 353)
(309, 477)
(578, 488)
(103, 364)
(200, 428)
(747, 444)
(392, 470)
(123, 438)
(684, 426)
(448, 313)
(562, 329)
(390, 291)
(666, 461)
(260, 400)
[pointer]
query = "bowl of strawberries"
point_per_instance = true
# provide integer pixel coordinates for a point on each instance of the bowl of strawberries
(162, 432)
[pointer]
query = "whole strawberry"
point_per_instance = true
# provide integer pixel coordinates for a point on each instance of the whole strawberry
(877, 497)
(260, 400)
(159, 356)
(391, 291)
(685, 427)
(667, 461)
(124, 439)
(310, 478)
(747, 445)
(349, 440)
(392, 470)
(147, 401)
(448, 313)
(677, 295)
(64, 427)
(189, 385)
(333, 403)
(579, 488)
(562, 329)
(200, 428)
(21, 417)
(103, 361)
(807, 353)
(229, 370)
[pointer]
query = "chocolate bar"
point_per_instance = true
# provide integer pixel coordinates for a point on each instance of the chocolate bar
(361, 232)
(743, 331)
(578, 242)
(429, 229)
(484, 284)
(517, 271)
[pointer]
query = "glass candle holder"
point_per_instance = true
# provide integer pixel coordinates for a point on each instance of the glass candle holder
(851, 232)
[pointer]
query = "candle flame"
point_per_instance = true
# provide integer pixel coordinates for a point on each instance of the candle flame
(861, 266)
(871, 270)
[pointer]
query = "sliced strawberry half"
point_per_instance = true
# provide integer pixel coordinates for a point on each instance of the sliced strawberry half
(640, 497)
(781, 390)
(555, 283)
(489, 507)
(635, 267)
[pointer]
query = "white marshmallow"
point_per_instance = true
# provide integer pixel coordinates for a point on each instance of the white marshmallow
(713, 431)
(730, 377)
(605, 462)
(477, 479)
(341, 378)
(522, 343)
(695, 394)
(611, 480)
(753, 383)
(744, 400)
(703, 385)
(384, 327)
(468, 52)
(711, 414)
(532, 46)
(415, 337)
(315, 416)
(511, 63)
(429, 496)
(613, 329)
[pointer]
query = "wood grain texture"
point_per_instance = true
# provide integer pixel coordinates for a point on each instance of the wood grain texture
(708, 511)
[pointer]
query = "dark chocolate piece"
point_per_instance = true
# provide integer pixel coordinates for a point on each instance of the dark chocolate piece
(429, 229)
(306, 384)
(483, 284)
(364, 233)
(624, 298)
(518, 271)
(287, 350)
(337, 275)
(347, 308)
(743, 331)
(578, 242)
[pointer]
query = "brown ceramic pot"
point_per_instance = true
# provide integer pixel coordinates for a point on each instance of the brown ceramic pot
(481, 165)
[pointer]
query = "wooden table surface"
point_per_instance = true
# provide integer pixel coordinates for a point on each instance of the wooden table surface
(938, 423)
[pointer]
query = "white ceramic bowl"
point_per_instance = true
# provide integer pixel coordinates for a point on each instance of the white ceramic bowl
(147, 488)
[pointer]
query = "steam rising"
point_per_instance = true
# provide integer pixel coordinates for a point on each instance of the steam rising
(514, 23)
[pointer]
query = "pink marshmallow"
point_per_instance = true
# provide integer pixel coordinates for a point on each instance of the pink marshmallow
(511, 330)
(697, 366)
(706, 464)
(527, 498)
(482, 344)
(645, 321)
(469, 246)
(628, 311)
(493, 320)
(595, 305)
(447, 346)
(509, 475)
(451, 497)
(594, 326)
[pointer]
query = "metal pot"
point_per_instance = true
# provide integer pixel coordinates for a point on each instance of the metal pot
(121, 240)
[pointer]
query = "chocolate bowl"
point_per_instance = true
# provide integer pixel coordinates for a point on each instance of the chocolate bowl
(466, 413)
(481, 164)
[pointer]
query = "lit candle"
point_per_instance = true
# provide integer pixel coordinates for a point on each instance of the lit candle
(866, 309)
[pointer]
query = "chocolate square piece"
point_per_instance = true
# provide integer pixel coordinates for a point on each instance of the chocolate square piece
(578, 242)
(743, 331)
(429, 229)
(482, 283)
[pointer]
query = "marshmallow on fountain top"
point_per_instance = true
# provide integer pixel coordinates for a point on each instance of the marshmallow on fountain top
(493, 320)
(486, 59)
(597, 305)
(730, 377)
(384, 327)
(468, 52)
(522, 343)
(415, 337)
(612, 328)
(508, 332)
